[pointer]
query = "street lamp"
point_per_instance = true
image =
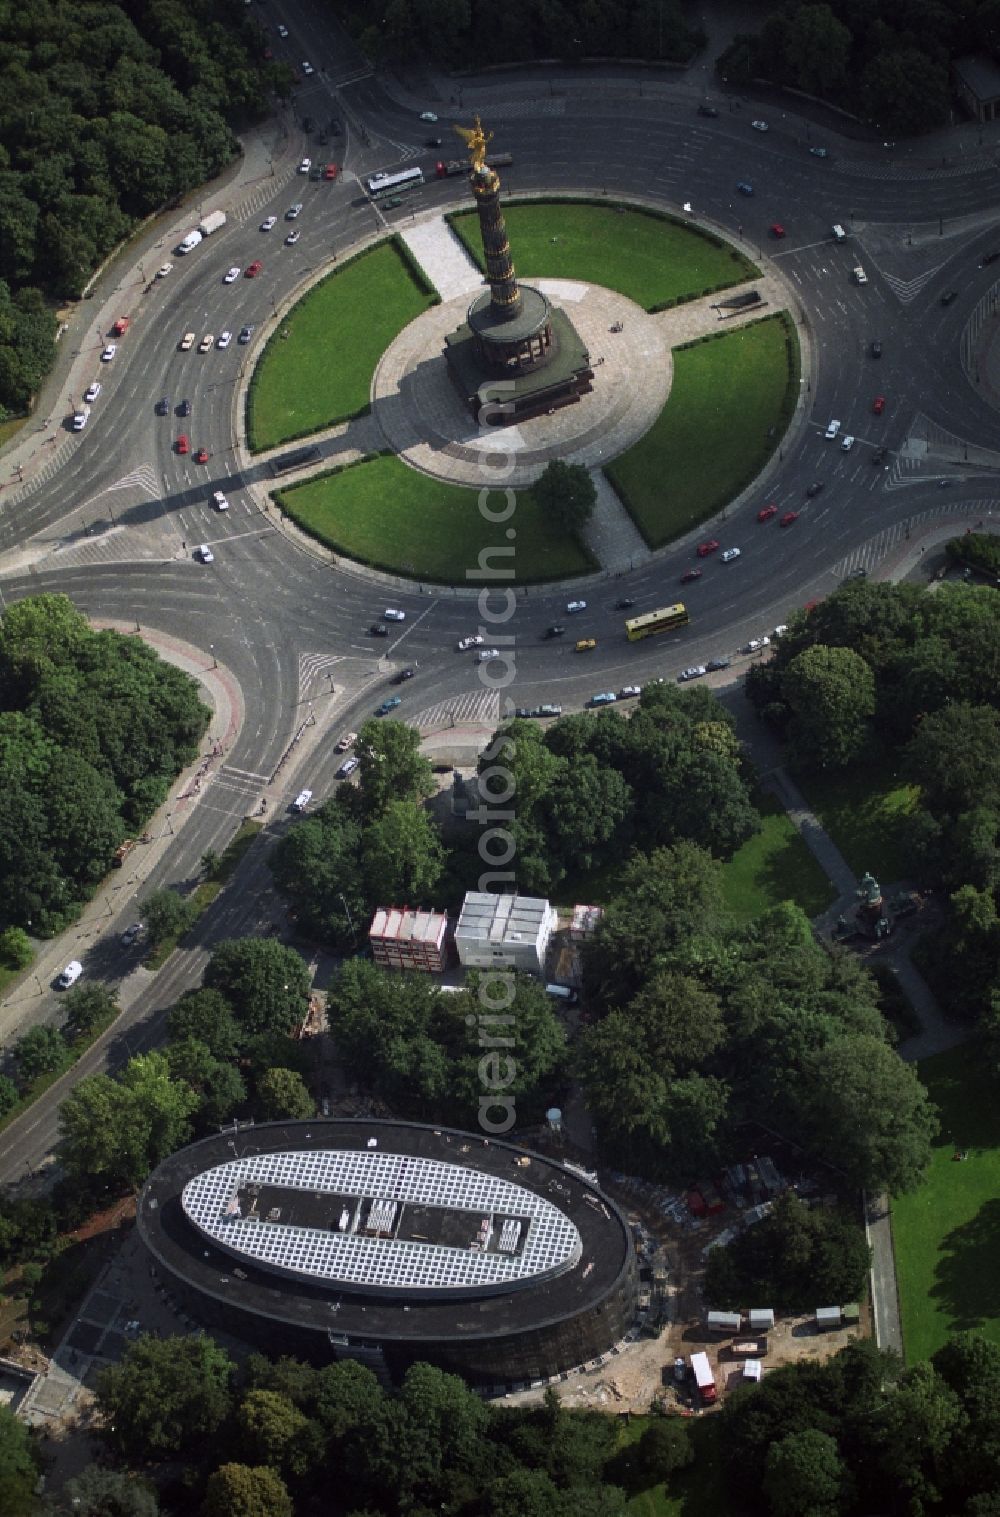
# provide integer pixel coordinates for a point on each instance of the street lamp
(350, 920)
(215, 661)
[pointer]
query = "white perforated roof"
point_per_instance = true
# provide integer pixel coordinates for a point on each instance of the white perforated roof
(504, 1234)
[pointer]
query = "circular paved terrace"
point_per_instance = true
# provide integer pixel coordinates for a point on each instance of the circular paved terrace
(421, 417)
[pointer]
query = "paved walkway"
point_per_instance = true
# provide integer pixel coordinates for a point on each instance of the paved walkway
(443, 257)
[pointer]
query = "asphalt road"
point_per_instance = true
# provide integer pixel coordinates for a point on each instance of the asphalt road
(282, 622)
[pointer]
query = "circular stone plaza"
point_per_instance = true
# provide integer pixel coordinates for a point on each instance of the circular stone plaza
(391, 1242)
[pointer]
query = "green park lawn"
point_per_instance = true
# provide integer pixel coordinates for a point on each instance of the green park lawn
(317, 368)
(772, 867)
(728, 407)
(865, 814)
(648, 258)
(383, 513)
(947, 1233)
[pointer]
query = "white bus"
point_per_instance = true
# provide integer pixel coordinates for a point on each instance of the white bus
(386, 184)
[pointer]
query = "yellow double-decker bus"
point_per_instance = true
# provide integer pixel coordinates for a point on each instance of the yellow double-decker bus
(656, 621)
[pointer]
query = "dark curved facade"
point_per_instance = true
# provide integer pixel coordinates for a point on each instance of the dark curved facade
(207, 1207)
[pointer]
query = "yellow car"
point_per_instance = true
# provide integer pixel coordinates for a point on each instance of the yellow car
(585, 644)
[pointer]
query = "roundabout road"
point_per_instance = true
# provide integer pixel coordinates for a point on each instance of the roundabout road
(114, 517)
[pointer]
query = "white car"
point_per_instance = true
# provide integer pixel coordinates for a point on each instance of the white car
(232, 275)
(109, 352)
(759, 126)
(756, 643)
(780, 629)
(347, 768)
(832, 430)
(282, 30)
(427, 116)
(390, 614)
(80, 419)
(268, 223)
(294, 211)
(307, 68)
(163, 270)
(92, 391)
(219, 501)
(576, 605)
(207, 342)
(70, 975)
(627, 691)
(205, 554)
(847, 443)
(302, 800)
(292, 239)
(485, 654)
(305, 165)
(475, 641)
(695, 672)
(729, 554)
(225, 338)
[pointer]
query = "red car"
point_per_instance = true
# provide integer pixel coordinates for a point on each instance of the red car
(704, 549)
(331, 171)
(183, 446)
(767, 512)
(121, 326)
(777, 230)
(689, 575)
(879, 405)
(789, 517)
(253, 269)
(201, 457)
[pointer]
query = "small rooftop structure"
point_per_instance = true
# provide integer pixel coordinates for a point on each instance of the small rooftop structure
(405, 939)
(504, 931)
(827, 1318)
(977, 84)
(724, 1322)
(751, 1369)
(760, 1319)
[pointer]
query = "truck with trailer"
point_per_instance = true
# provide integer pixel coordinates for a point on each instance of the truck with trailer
(703, 1378)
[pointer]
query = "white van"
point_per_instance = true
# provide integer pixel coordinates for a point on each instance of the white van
(302, 800)
(838, 232)
(562, 993)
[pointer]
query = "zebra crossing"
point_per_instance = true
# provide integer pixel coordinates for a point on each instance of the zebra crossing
(867, 556)
(472, 708)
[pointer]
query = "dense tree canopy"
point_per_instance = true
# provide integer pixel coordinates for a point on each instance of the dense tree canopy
(422, 1051)
(166, 1396)
(707, 1024)
(266, 984)
(94, 728)
(120, 1129)
(107, 113)
(796, 1258)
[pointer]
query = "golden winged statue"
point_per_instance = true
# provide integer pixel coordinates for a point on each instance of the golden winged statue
(476, 140)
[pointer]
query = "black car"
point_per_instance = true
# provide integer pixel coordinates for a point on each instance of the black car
(555, 631)
(717, 663)
(184, 409)
(625, 604)
(948, 297)
(163, 406)
(379, 629)
(707, 110)
(878, 457)
(307, 123)
(876, 349)
(247, 332)
(989, 258)
(854, 574)
(814, 488)
(403, 676)
(522, 711)
(434, 141)
(323, 138)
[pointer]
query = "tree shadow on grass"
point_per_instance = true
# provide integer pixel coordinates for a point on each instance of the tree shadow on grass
(967, 1281)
